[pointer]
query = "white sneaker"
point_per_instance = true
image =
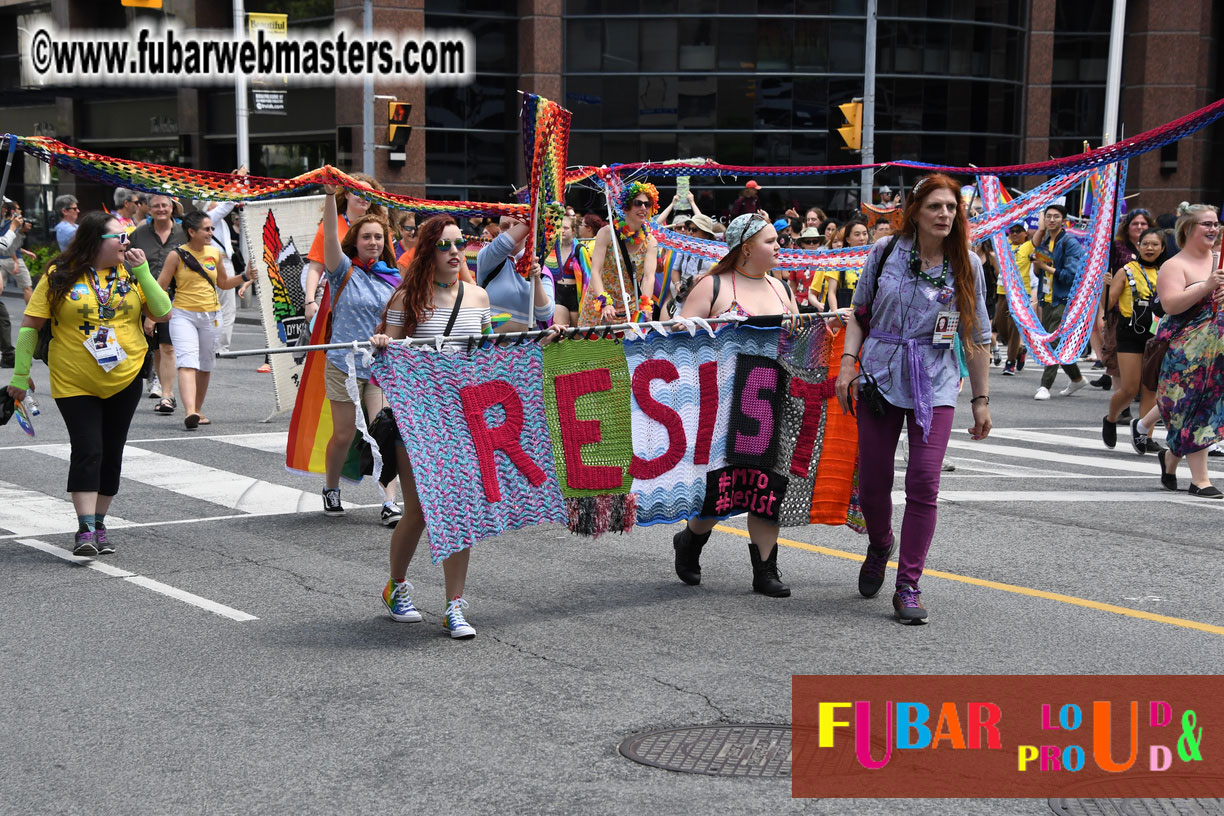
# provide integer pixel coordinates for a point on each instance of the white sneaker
(1072, 387)
(155, 389)
(948, 467)
(453, 621)
(1043, 393)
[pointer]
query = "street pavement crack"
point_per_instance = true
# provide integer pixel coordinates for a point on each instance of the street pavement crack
(722, 715)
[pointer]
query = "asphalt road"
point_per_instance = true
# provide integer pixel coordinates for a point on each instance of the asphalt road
(295, 693)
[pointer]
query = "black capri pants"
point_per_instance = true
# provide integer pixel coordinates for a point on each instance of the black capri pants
(97, 432)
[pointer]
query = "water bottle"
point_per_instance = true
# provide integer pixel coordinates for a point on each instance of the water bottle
(30, 403)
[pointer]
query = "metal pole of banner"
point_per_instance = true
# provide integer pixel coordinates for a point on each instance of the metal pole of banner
(367, 95)
(8, 164)
(513, 338)
(1113, 78)
(242, 133)
(867, 137)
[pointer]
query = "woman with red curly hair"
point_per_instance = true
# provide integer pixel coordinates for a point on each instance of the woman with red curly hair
(923, 279)
(431, 300)
(629, 237)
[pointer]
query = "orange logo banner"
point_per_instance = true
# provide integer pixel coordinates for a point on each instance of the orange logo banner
(955, 736)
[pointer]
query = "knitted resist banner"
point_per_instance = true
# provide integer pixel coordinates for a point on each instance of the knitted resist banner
(603, 435)
(475, 430)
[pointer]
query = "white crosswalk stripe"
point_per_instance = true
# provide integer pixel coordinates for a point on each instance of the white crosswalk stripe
(1038, 459)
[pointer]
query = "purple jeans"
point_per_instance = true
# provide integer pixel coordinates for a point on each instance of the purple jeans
(877, 449)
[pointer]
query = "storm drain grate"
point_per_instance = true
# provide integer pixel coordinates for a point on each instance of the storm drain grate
(1138, 807)
(750, 750)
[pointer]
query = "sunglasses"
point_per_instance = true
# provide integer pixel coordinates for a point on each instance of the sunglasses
(122, 236)
(447, 246)
(639, 203)
(810, 242)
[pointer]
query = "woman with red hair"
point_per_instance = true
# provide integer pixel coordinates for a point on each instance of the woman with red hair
(431, 300)
(923, 277)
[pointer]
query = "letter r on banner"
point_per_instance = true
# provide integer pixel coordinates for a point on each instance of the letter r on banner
(477, 399)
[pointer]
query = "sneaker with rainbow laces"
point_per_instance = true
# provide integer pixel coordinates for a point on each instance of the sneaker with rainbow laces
(399, 602)
(454, 623)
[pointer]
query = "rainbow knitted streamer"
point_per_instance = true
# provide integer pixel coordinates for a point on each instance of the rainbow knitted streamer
(1072, 334)
(545, 126)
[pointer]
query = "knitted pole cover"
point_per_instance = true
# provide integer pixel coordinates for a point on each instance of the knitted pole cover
(475, 430)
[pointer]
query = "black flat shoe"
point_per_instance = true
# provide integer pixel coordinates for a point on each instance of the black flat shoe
(1208, 492)
(1109, 432)
(1167, 480)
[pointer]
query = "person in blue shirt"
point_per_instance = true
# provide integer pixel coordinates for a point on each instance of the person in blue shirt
(509, 292)
(69, 209)
(1062, 257)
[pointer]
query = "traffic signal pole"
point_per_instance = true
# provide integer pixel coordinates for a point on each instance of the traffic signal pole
(869, 96)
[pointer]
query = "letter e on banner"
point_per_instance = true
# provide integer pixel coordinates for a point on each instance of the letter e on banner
(577, 432)
(477, 399)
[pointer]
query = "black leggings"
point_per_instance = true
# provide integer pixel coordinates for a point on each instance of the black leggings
(97, 431)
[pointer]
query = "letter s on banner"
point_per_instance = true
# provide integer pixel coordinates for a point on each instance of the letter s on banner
(643, 376)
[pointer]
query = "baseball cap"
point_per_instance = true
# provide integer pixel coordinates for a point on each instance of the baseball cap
(781, 224)
(752, 183)
(679, 221)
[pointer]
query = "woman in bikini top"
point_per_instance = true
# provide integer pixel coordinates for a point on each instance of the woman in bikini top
(752, 252)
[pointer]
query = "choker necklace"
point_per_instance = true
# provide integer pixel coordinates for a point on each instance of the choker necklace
(739, 271)
(442, 285)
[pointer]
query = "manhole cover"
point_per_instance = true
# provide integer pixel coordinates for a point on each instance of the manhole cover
(717, 750)
(1138, 807)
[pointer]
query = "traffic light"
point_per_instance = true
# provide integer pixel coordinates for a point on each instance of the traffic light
(852, 131)
(398, 129)
(153, 4)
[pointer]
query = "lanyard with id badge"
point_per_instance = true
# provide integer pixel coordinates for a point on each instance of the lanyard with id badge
(947, 320)
(103, 343)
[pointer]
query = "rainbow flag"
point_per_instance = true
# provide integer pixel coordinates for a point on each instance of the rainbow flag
(310, 426)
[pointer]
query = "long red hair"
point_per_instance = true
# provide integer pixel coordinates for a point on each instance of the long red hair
(955, 246)
(416, 281)
(348, 244)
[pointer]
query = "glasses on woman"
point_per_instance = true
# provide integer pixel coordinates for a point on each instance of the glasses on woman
(641, 204)
(447, 246)
(1209, 225)
(410, 231)
(122, 236)
(809, 242)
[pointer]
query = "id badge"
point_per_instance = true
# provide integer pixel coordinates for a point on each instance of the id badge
(946, 324)
(104, 346)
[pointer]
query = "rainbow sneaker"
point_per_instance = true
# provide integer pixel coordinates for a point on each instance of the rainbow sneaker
(454, 623)
(399, 604)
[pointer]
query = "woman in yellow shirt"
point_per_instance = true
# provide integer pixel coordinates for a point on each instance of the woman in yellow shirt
(1134, 329)
(94, 294)
(197, 271)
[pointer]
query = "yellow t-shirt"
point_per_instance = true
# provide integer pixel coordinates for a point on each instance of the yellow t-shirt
(1145, 285)
(1024, 263)
(74, 371)
(191, 292)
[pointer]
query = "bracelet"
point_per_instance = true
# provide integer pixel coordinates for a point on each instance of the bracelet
(851, 356)
(983, 396)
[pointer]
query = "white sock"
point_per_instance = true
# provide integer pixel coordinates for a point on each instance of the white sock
(1139, 427)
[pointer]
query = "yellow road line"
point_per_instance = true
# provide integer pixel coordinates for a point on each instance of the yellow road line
(1019, 590)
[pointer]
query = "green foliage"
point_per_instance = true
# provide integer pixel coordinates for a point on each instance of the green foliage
(43, 256)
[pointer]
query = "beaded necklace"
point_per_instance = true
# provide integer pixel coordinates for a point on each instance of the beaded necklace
(105, 310)
(916, 264)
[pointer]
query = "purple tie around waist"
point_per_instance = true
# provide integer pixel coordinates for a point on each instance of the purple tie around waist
(920, 382)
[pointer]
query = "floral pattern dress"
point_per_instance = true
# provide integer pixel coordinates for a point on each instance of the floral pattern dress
(590, 313)
(1191, 391)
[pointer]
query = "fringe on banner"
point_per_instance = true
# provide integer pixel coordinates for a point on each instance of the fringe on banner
(596, 515)
(350, 385)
